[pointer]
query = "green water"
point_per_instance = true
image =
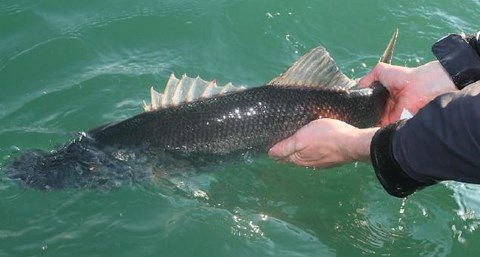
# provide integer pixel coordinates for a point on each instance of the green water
(69, 66)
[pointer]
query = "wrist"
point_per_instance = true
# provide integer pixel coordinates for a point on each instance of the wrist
(389, 172)
(459, 59)
(438, 80)
(358, 145)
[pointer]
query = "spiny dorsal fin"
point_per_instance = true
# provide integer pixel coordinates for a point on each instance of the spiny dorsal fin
(314, 69)
(185, 90)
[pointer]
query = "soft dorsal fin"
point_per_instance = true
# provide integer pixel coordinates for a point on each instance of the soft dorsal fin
(184, 90)
(317, 69)
(314, 69)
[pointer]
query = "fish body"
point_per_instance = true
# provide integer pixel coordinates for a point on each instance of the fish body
(194, 118)
(254, 118)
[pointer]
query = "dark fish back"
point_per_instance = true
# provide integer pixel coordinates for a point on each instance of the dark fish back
(254, 118)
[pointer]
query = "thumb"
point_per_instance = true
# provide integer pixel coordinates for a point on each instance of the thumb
(372, 76)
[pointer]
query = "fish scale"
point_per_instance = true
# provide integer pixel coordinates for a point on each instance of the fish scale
(253, 118)
(186, 125)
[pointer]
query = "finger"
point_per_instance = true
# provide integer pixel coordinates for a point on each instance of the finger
(300, 160)
(284, 149)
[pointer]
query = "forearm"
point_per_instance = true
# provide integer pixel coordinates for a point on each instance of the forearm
(441, 142)
(474, 41)
(387, 168)
(359, 143)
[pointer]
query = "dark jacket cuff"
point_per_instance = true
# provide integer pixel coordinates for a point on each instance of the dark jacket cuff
(459, 58)
(474, 41)
(392, 177)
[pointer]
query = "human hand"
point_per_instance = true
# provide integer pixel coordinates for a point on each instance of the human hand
(325, 143)
(410, 88)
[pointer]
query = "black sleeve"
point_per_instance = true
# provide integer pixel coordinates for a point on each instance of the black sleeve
(474, 41)
(460, 56)
(441, 142)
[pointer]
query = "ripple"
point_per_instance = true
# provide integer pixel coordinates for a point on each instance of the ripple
(108, 53)
(15, 7)
(467, 198)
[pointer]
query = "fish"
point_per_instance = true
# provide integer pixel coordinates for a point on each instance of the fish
(195, 121)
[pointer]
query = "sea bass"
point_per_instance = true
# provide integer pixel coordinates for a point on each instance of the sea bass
(194, 120)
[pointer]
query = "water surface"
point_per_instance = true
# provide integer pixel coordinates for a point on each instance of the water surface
(69, 66)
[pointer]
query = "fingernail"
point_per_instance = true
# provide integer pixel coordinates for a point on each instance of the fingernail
(273, 153)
